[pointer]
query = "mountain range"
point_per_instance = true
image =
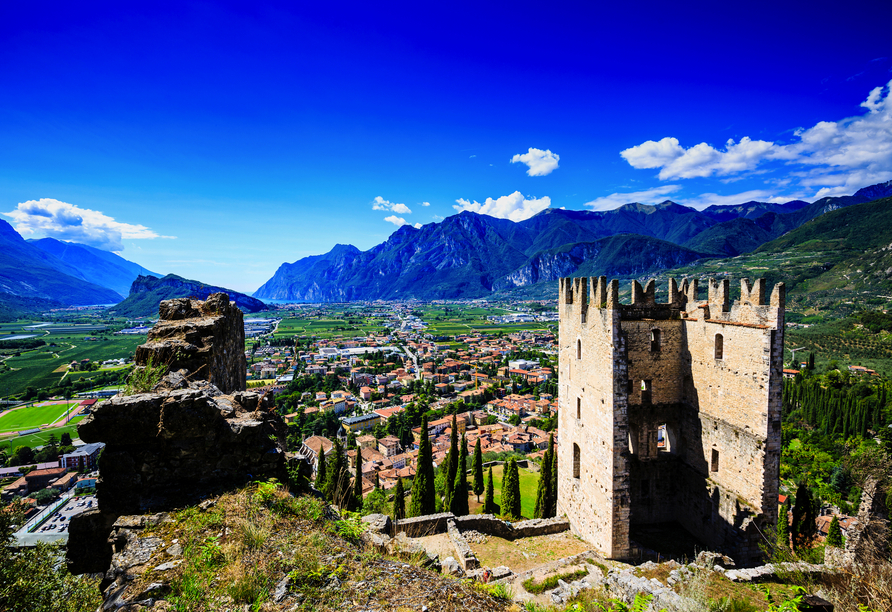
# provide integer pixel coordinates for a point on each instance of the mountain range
(469, 255)
(147, 292)
(37, 275)
(27, 271)
(94, 265)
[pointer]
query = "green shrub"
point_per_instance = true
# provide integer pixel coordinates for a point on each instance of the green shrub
(552, 581)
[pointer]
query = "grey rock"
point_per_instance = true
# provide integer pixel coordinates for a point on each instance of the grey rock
(281, 591)
(175, 551)
(451, 567)
(377, 522)
(164, 567)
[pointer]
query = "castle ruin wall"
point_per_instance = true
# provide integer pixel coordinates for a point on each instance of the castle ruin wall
(670, 411)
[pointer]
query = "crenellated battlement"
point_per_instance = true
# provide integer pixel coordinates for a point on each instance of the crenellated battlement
(579, 294)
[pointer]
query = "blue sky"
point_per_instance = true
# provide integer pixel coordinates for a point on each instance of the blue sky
(218, 140)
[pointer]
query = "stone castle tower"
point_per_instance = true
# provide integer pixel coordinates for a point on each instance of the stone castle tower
(670, 412)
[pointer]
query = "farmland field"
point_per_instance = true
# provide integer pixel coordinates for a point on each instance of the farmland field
(37, 368)
(329, 327)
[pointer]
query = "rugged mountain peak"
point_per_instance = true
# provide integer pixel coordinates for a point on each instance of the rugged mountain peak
(875, 192)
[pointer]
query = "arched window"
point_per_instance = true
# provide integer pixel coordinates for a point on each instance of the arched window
(579, 349)
(654, 340)
(576, 461)
(719, 346)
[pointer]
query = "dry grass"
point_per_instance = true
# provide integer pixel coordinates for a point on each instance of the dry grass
(528, 553)
(236, 552)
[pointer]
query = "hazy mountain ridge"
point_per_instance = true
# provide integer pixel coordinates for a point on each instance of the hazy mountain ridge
(28, 271)
(470, 255)
(147, 293)
(94, 265)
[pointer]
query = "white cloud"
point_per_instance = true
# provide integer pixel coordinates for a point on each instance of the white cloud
(648, 196)
(380, 203)
(701, 160)
(397, 221)
(838, 156)
(55, 219)
(417, 226)
(538, 161)
(515, 207)
(425, 203)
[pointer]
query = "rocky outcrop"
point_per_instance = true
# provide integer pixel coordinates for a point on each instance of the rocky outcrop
(166, 448)
(207, 339)
(868, 536)
(185, 439)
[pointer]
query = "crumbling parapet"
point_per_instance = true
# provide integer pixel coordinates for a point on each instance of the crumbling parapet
(185, 439)
(207, 339)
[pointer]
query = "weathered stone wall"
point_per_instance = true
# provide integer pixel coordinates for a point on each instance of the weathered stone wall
(593, 415)
(647, 365)
(207, 339)
(489, 524)
(166, 448)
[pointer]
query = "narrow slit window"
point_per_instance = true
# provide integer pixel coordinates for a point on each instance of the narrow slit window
(662, 439)
(655, 341)
(579, 349)
(719, 346)
(578, 408)
(576, 461)
(646, 392)
(715, 460)
(583, 316)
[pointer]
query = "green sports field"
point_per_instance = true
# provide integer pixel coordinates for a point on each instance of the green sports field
(34, 416)
(39, 439)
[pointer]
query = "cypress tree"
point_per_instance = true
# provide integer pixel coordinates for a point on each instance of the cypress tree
(451, 463)
(511, 491)
(399, 500)
(377, 482)
(811, 361)
(423, 497)
(459, 505)
(320, 470)
(479, 486)
(357, 487)
(783, 526)
(337, 488)
(834, 534)
(543, 492)
(554, 477)
(489, 502)
(804, 527)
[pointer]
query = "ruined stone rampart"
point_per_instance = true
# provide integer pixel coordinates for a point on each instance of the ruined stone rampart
(207, 339)
(670, 411)
(489, 524)
(184, 439)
